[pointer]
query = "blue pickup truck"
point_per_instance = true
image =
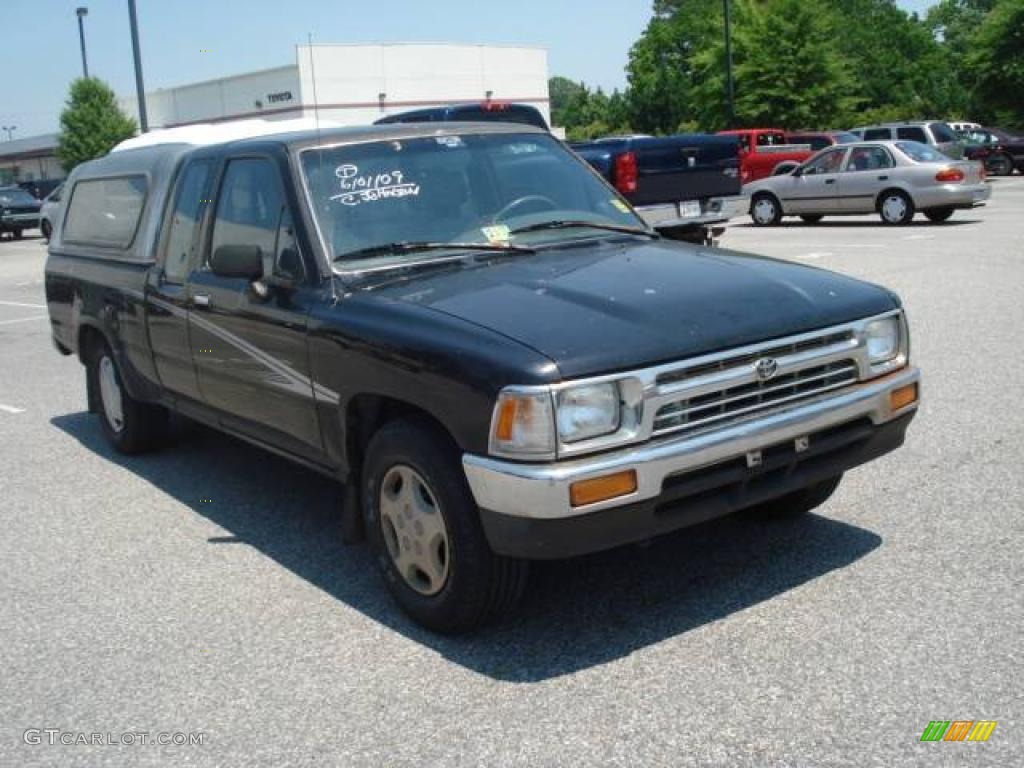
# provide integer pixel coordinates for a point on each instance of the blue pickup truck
(681, 183)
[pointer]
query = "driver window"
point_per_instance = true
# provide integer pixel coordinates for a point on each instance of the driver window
(829, 162)
(249, 208)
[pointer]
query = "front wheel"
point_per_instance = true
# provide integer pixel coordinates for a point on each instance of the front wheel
(46, 229)
(424, 529)
(797, 503)
(811, 218)
(896, 207)
(938, 214)
(17, 234)
(765, 210)
(130, 425)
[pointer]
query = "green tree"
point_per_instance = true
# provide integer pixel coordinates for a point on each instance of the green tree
(995, 63)
(91, 123)
(661, 63)
(789, 70)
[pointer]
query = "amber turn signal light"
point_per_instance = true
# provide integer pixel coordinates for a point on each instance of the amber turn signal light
(602, 488)
(902, 397)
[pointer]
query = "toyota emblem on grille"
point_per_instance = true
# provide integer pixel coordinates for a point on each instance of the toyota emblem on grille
(766, 368)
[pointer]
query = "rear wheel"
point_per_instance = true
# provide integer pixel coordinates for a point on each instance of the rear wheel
(799, 502)
(17, 234)
(811, 218)
(999, 165)
(938, 214)
(424, 528)
(130, 425)
(896, 207)
(765, 210)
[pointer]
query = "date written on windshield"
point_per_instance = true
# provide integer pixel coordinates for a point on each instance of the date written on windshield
(359, 188)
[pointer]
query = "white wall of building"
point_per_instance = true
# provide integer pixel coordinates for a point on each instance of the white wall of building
(249, 95)
(356, 84)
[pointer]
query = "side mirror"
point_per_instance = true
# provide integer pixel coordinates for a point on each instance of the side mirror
(238, 261)
(798, 171)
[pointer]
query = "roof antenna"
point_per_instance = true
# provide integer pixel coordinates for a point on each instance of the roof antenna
(312, 74)
(320, 152)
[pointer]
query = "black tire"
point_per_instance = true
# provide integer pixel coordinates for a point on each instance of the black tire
(797, 503)
(938, 214)
(999, 164)
(17, 234)
(141, 426)
(479, 585)
(765, 209)
(811, 218)
(46, 229)
(895, 207)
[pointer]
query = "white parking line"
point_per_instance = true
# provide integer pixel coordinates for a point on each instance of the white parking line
(24, 319)
(11, 409)
(19, 304)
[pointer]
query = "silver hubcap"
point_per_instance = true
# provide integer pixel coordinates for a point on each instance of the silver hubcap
(764, 210)
(894, 208)
(110, 394)
(414, 530)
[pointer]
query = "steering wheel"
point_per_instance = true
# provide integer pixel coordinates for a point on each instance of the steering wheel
(525, 200)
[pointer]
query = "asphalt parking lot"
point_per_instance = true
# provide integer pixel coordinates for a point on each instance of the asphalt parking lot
(203, 590)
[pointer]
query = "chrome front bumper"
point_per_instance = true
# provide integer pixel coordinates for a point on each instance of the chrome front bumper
(541, 491)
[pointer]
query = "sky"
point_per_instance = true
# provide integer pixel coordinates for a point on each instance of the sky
(184, 41)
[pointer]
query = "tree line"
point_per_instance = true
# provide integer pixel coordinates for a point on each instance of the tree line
(810, 64)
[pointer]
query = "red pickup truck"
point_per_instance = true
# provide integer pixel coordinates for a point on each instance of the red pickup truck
(761, 149)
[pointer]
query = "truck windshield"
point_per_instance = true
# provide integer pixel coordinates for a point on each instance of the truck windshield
(460, 189)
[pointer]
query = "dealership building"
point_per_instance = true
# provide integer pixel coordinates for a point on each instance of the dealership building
(357, 84)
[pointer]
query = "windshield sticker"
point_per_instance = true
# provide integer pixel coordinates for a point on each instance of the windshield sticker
(496, 233)
(359, 188)
(620, 205)
(450, 141)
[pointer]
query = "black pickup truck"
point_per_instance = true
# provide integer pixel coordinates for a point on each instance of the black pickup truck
(476, 335)
(682, 184)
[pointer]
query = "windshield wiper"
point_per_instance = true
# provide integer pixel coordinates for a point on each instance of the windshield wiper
(414, 246)
(571, 223)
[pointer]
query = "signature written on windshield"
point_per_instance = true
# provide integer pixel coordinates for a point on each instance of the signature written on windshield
(359, 188)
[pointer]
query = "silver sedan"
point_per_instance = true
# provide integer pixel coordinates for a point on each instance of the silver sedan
(895, 179)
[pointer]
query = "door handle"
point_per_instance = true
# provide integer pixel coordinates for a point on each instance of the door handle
(830, 181)
(883, 178)
(201, 299)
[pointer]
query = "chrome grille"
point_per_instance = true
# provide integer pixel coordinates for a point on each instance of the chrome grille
(780, 350)
(728, 404)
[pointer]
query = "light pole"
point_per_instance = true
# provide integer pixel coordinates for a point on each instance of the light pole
(728, 66)
(140, 90)
(10, 129)
(81, 12)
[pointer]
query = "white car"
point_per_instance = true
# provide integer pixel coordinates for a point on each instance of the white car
(48, 212)
(895, 179)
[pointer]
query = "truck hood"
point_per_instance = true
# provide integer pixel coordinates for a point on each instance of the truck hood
(596, 307)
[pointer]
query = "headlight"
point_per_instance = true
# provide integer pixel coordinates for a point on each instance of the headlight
(883, 339)
(523, 425)
(590, 410)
